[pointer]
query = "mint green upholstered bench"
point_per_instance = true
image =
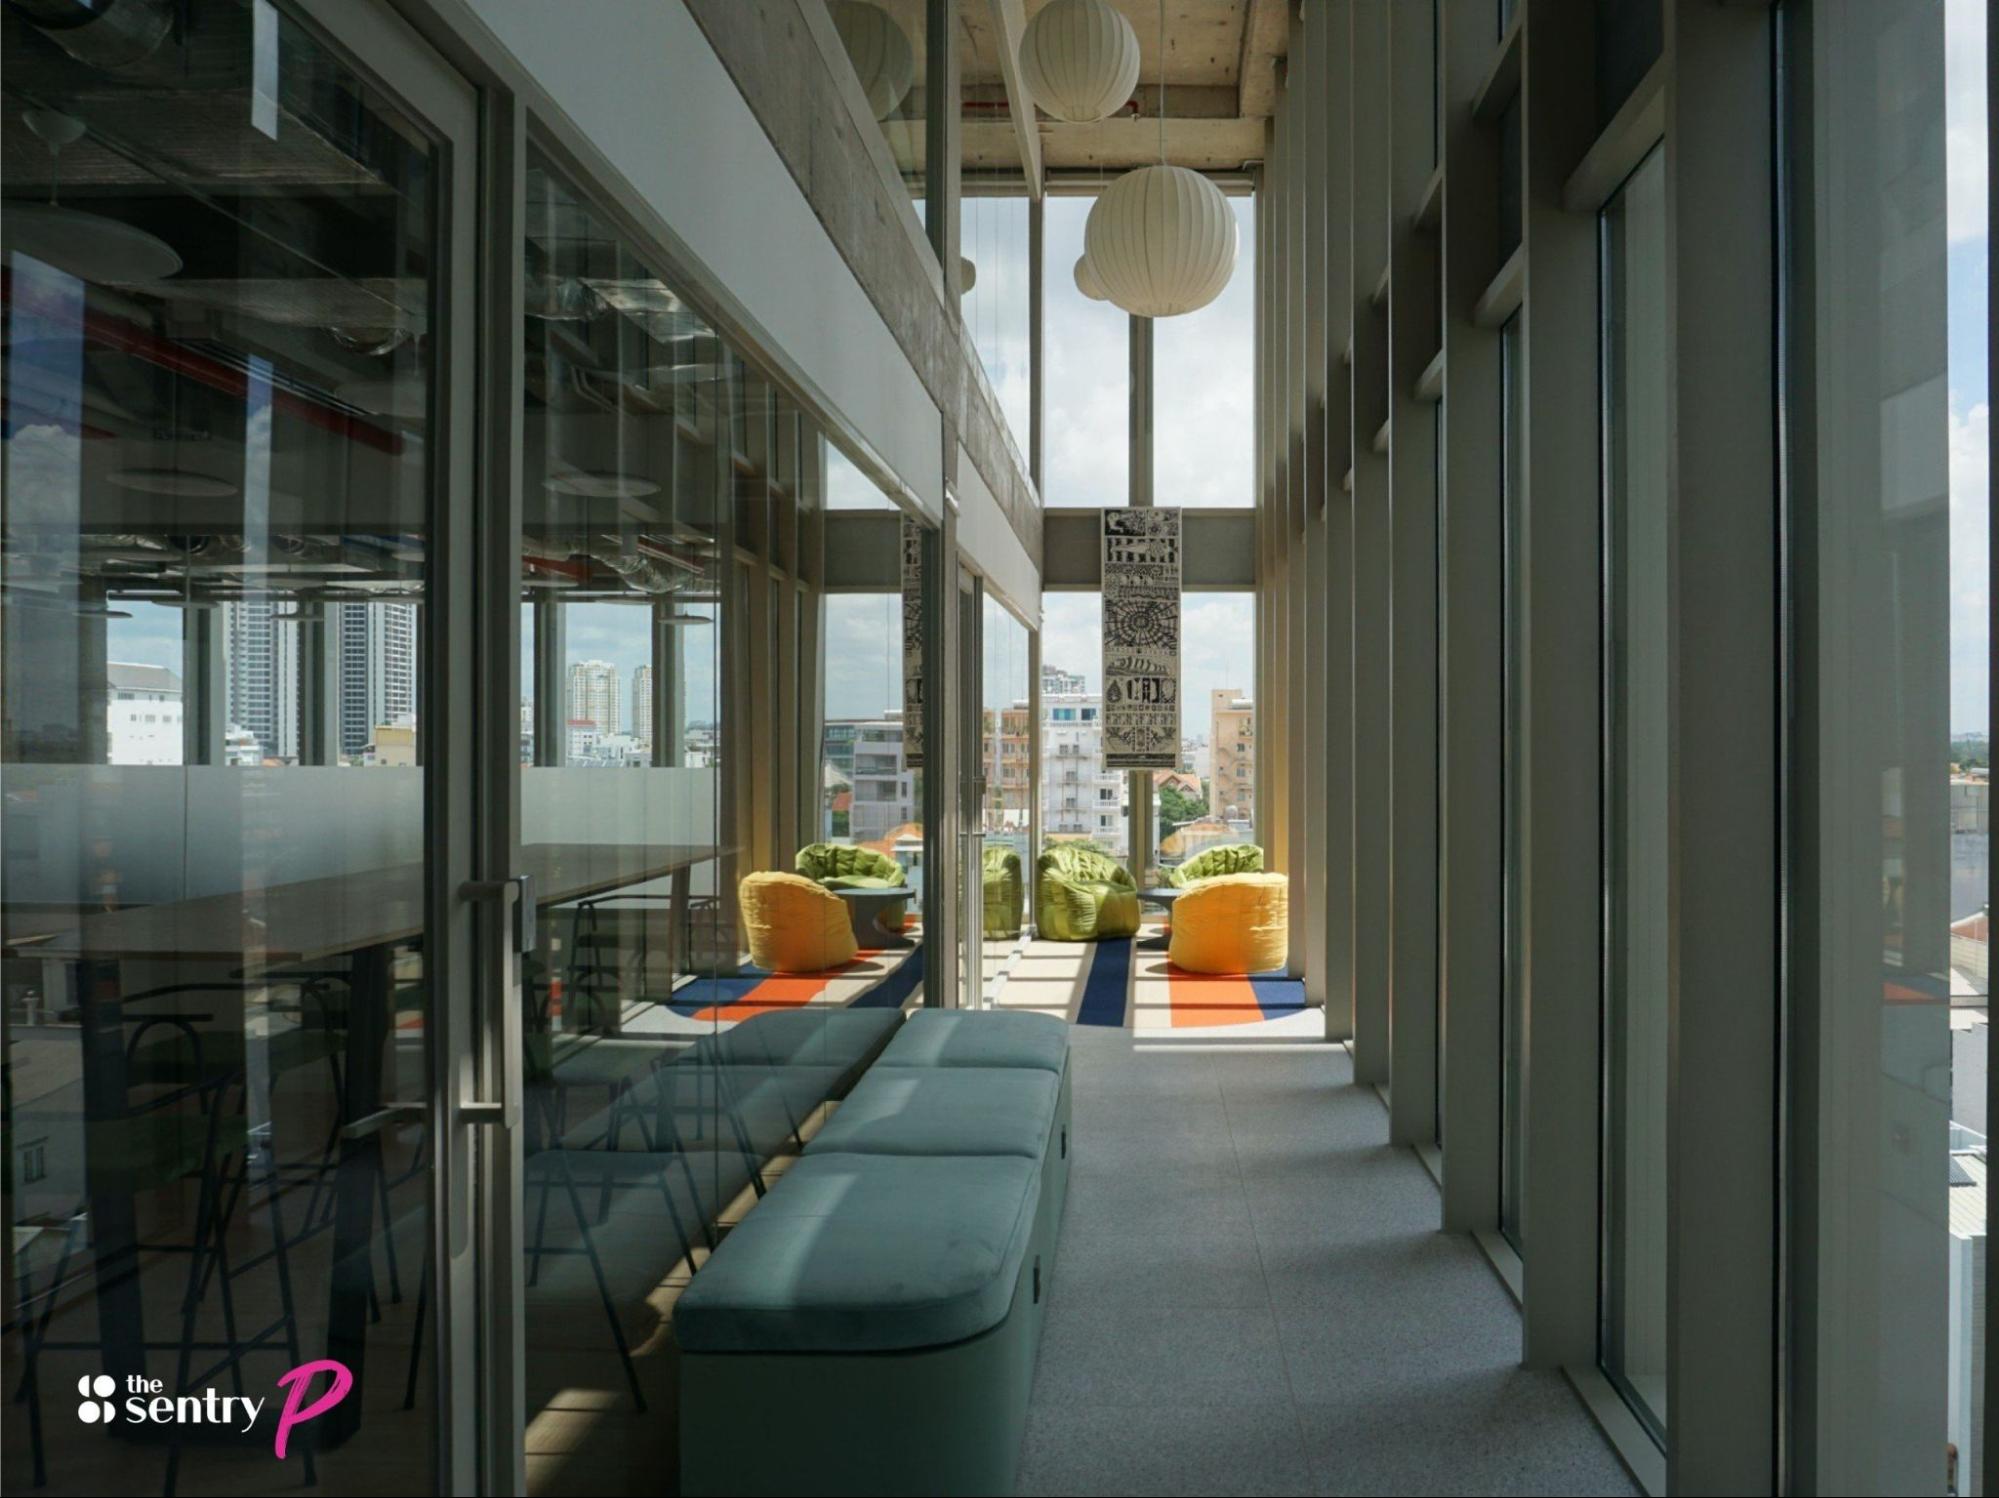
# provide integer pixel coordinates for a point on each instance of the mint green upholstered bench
(887, 1295)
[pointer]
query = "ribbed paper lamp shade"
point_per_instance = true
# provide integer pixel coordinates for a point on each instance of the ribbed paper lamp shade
(1161, 241)
(879, 51)
(1086, 279)
(1079, 59)
(968, 275)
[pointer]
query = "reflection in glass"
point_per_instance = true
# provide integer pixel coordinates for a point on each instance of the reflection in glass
(1636, 830)
(1006, 804)
(220, 463)
(1893, 472)
(884, 42)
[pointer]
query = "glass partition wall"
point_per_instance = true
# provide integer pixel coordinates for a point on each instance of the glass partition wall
(706, 728)
(1007, 787)
(231, 467)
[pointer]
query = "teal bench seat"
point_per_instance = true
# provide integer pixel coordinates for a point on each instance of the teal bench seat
(956, 1037)
(845, 1038)
(887, 1292)
(867, 1253)
(912, 1110)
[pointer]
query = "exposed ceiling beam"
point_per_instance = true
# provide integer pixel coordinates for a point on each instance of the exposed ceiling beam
(1265, 34)
(1009, 21)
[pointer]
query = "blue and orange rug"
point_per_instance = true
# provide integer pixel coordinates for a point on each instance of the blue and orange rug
(1130, 984)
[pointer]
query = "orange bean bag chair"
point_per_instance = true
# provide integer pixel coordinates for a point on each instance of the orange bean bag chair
(795, 924)
(1233, 923)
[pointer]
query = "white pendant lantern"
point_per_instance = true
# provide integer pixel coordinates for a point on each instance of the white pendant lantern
(879, 50)
(1086, 280)
(1079, 59)
(968, 275)
(1161, 241)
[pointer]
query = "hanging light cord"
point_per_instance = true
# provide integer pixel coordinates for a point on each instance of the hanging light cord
(1162, 82)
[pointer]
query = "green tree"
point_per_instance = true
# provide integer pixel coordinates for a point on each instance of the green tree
(1176, 807)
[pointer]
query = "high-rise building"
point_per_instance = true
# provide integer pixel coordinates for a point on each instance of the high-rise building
(642, 707)
(593, 695)
(1232, 747)
(262, 674)
(378, 670)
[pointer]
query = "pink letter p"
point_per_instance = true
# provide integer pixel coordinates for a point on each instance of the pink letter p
(299, 1379)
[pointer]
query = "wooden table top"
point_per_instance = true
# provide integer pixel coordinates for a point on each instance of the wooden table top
(319, 918)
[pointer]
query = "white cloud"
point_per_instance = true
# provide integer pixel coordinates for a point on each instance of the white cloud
(1204, 391)
(1965, 119)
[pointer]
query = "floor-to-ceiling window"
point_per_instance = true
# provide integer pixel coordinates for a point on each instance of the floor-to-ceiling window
(1636, 826)
(1086, 373)
(1203, 390)
(1210, 799)
(872, 796)
(1081, 801)
(994, 243)
(1889, 466)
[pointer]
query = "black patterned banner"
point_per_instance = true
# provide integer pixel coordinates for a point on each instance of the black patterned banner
(1141, 639)
(912, 643)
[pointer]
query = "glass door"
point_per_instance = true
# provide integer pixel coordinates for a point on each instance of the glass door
(234, 954)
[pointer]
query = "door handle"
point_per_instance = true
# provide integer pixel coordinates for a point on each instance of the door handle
(516, 930)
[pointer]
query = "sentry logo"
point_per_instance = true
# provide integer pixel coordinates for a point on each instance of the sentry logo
(147, 1403)
(97, 1408)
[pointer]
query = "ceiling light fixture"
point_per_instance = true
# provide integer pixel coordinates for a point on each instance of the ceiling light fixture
(1162, 240)
(89, 246)
(1079, 60)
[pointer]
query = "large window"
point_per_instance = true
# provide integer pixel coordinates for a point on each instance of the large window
(1204, 390)
(1210, 798)
(872, 798)
(993, 233)
(1081, 801)
(1890, 460)
(1086, 370)
(1637, 826)
(1005, 731)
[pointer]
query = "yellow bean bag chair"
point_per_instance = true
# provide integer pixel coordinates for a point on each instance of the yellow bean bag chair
(795, 925)
(1233, 923)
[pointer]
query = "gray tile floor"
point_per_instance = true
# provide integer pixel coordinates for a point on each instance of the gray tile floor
(1251, 1296)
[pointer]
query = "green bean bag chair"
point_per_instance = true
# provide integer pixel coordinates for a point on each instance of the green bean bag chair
(1083, 895)
(838, 866)
(1002, 883)
(1224, 858)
